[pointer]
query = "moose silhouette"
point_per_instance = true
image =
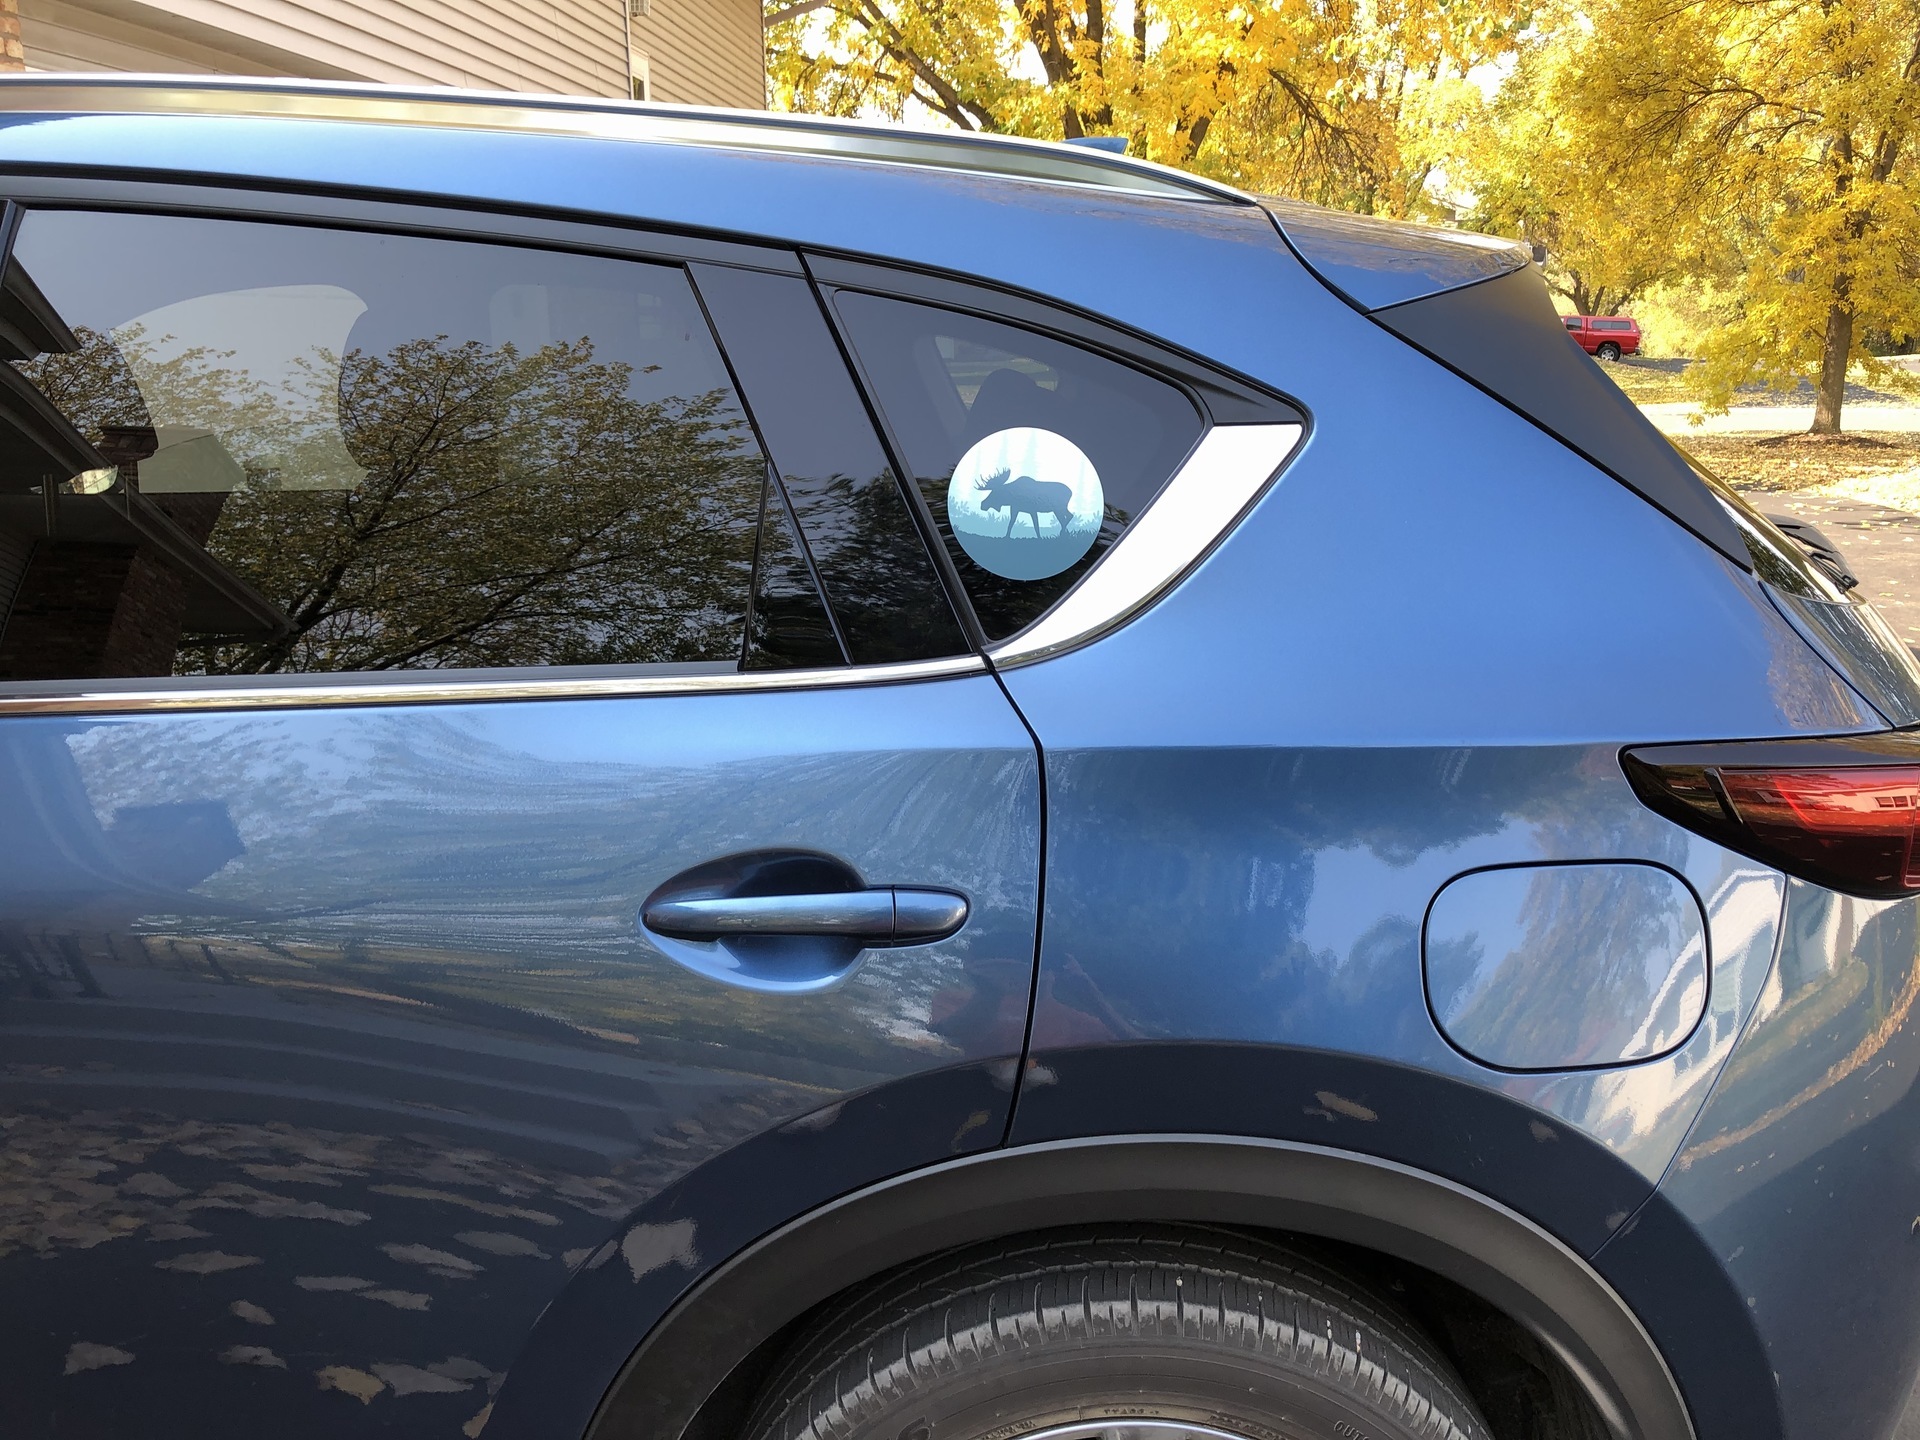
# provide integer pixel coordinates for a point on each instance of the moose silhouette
(1026, 496)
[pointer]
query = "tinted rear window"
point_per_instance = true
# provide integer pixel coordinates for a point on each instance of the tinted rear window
(318, 450)
(1056, 448)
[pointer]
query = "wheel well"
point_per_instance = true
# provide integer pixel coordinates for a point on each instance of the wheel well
(722, 1332)
(1523, 1390)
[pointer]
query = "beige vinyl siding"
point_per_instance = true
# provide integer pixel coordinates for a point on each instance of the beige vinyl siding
(565, 46)
(704, 52)
(69, 37)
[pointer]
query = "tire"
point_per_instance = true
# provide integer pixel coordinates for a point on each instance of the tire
(1608, 350)
(1119, 1335)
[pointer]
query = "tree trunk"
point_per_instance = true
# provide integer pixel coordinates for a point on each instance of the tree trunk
(1834, 350)
(1194, 137)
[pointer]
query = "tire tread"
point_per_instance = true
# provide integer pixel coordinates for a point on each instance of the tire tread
(1215, 1289)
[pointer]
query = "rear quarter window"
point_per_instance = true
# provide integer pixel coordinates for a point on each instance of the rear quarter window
(1032, 454)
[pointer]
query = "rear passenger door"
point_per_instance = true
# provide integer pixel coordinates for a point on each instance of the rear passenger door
(473, 748)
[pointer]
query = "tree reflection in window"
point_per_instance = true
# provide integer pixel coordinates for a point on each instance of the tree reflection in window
(439, 502)
(516, 510)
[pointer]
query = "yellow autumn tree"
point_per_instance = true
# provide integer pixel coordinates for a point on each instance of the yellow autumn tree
(1779, 135)
(1356, 103)
(1610, 230)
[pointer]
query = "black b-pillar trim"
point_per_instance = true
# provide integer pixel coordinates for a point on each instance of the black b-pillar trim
(1506, 338)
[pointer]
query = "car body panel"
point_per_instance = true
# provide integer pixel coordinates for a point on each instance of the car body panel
(1519, 597)
(1380, 263)
(1308, 783)
(1314, 868)
(1566, 967)
(393, 947)
(1077, 246)
(343, 1018)
(1801, 1171)
(1503, 335)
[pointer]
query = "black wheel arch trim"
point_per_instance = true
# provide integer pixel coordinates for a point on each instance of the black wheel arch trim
(1421, 1219)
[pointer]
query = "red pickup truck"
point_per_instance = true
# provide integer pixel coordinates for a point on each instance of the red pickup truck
(1606, 336)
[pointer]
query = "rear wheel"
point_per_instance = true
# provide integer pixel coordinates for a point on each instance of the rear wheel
(1608, 350)
(1118, 1336)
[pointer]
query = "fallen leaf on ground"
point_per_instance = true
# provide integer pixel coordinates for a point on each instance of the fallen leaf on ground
(459, 1367)
(498, 1242)
(331, 1282)
(85, 1355)
(411, 1380)
(206, 1262)
(482, 1207)
(349, 1381)
(399, 1299)
(438, 1260)
(152, 1185)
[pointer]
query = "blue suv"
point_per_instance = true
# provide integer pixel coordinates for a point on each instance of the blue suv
(673, 776)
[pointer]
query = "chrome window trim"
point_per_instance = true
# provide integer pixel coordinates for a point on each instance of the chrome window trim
(429, 220)
(348, 691)
(428, 216)
(1224, 397)
(1228, 471)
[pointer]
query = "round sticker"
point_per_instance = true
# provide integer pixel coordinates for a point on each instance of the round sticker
(1025, 503)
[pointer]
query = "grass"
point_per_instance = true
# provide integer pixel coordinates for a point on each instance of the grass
(1649, 382)
(1858, 463)
(1663, 382)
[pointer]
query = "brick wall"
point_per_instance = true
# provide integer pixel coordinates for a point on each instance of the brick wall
(63, 615)
(13, 55)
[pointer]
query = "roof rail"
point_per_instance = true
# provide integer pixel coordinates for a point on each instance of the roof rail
(1046, 161)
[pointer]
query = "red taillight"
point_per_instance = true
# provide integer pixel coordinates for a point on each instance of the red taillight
(1857, 823)
(1848, 826)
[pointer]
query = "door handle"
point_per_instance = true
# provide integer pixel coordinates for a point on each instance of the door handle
(789, 922)
(890, 915)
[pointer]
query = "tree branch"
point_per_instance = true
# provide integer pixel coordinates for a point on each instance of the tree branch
(793, 12)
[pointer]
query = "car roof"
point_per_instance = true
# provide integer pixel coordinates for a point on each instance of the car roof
(1376, 264)
(351, 102)
(1075, 224)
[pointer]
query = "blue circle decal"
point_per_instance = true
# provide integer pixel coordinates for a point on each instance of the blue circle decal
(1025, 503)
